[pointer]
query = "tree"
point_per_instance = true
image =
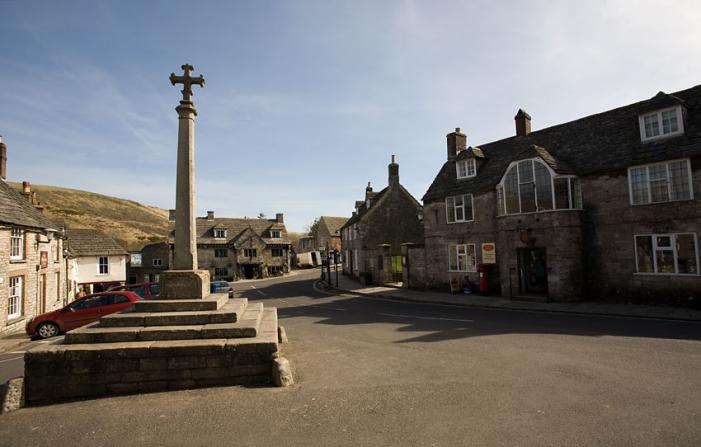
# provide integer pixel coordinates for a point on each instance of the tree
(313, 227)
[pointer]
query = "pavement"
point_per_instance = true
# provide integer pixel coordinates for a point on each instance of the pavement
(375, 371)
(348, 285)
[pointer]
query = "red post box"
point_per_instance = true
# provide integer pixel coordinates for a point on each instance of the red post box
(483, 270)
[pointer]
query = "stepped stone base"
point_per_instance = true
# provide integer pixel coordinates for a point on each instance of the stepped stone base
(100, 360)
(184, 284)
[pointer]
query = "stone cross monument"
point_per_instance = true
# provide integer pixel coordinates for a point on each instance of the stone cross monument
(185, 281)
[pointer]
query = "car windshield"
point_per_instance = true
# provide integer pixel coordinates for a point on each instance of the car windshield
(139, 290)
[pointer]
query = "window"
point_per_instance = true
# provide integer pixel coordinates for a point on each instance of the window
(14, 302)
(275, 234)
(276, 252)
(662, 123)
(660, 182)
(57, 252)
(529, 186)
(58, 286)
(462, 258)
(466, 168)
(221, 252)
(221, 272)
(250, 252)
(219, 233)
(157, 262)
(103, 265)
(667, 254)
(17, 243)
(459, 208)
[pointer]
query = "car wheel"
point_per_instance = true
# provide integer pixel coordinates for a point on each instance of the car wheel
(47, 330)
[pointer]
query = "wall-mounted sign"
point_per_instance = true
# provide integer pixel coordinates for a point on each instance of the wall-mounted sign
(489, 253)
(44, 259)
(135, 260)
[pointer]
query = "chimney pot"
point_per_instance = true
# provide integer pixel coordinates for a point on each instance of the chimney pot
(393, 171)
(26, 187)
(210, 215)
(457, 142)
(523, 123)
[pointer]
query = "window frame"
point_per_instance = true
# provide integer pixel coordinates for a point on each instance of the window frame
(667, 163)
(654, 248)
(218, 252)
(466, 255)
(467, 163)
(273, 251)
(273, 232)
(219, 233)
(571, 198)
(250, 252)
(18, 240)
(658, 114)
(18, 297)
(100, 265)
(157, 264)
(455, 207)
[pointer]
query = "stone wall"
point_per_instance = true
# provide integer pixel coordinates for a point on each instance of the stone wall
(62, 372)
(30, 270)
(236, 258)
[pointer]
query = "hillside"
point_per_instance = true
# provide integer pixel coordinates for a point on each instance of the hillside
(130, 223)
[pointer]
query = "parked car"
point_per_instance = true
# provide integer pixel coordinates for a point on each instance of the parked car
(79, 313)
(221, 287)
(146, 290)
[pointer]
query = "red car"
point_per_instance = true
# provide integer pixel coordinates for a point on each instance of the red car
(79, 313)
(146, 290)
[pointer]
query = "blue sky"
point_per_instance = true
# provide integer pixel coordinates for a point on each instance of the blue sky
(305, 101)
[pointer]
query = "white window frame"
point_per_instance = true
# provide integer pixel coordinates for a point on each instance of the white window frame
(274, 232)
(465, 255)
(157, 262)
(455, 207)
(470, 166)
(219, 233)
(673, 239)
(106, 265)
(252, 252)
(17, 243)
(501, 207)
(15, 296)
(658, 115)
(669, 182)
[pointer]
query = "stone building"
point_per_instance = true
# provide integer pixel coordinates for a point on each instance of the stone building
(32, 264)
(328, 233)
(97, 262)
(148, 264)
(241, 248)
(604, 206)
(375, 238)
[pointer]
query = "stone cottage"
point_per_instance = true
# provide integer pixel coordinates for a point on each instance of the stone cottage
(148, 264)
(375, 238)
(328, 233)
(97, 262)
(32, 263)
(604, 206)
(241, 248)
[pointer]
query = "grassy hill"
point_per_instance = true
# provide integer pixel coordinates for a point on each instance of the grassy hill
(130, 223)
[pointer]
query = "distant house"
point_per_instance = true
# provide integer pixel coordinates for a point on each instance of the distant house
(32, 265)
(97, 261)
(241, 248)
(328, 233)
(373, 239)
(148, 264)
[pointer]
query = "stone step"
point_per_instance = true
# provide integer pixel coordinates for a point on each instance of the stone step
(228, 313)
(213, 302)
(249, 325)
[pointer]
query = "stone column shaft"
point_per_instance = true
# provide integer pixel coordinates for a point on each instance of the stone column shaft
(185, 252)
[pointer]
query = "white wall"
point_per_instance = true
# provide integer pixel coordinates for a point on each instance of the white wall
(86, 270)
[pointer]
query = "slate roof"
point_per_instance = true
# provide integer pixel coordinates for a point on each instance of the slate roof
(333, 224)
(15, 209)
(607, 142)
(363, 209)
(89, 242)
(235, 227)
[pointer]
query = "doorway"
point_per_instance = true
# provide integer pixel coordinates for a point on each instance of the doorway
(251, 271)
(533, 271)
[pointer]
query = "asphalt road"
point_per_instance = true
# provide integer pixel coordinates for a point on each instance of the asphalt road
(381, 372)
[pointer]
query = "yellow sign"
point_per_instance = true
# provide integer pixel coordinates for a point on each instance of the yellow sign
(489, 253)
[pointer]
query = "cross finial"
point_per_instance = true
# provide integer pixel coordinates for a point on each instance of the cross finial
(187, 81)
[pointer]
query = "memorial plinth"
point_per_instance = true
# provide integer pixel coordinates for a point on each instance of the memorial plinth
(187, 338)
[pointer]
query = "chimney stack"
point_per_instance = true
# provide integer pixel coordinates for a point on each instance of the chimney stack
(279, 218)
(457, 141)
(210, 215)
(523, 123)
(393, 169)
(3, 160)
(171, 215)
(26, 187)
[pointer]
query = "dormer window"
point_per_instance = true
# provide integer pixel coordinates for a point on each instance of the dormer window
(219, 233)
(661, 124)
(466, 168)
(275, 234)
